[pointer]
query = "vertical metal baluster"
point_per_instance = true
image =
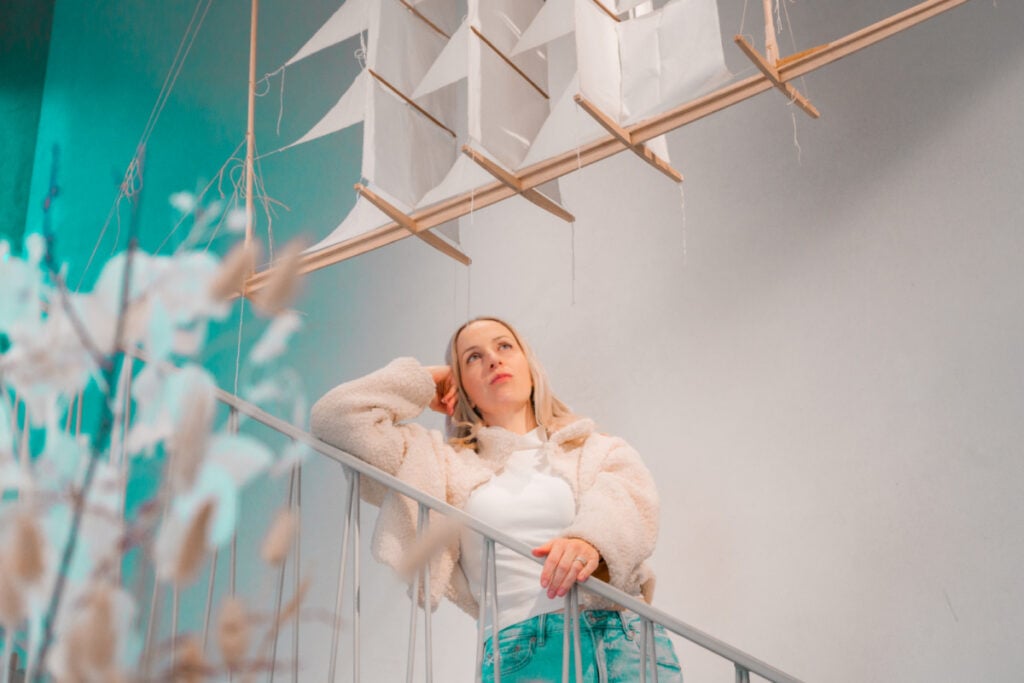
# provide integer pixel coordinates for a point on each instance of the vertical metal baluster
(654, 653)
(209, 598)
(481, 617)
(8, 636)
(355, 581)
(71, 414)
(233, 568)
(565, 641)
(153, 609)
(643, 651)
(78, 412)
(298, 571)
(495, 627)
(428, 643)
(742, 675)
(411, 653)
(175, 605)
(336, 631)
(574, 614)
(280, 588)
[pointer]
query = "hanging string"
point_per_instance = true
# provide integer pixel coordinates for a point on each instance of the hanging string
(743, 18)
(572, 256)
(796, 142)
(682, 208)
(184, 48)
(238, 347)
(280, 103)
(792, 43)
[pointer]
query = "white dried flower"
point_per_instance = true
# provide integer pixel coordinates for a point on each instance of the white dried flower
(233, 632)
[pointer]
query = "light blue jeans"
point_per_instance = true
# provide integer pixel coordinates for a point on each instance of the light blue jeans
(610, 642)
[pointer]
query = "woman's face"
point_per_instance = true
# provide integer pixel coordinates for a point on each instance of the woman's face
(494, 370)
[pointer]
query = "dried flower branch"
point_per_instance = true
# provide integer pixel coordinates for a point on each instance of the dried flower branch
(12, 603)
(279, 537)
(237, 266)
(283, 282)
(233, 632)
(193, 548)
(27, 550)
(441, 533)
(187, 447)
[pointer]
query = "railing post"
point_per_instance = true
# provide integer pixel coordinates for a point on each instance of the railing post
(280, 585)
(297, 573)
(742, 675)
(428, 643)
(574, 615)
(495, 628)
(355, 578)
(336, 630)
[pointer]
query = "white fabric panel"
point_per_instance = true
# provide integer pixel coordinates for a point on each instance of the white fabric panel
(554, 20)
(508, 111)
(405, 154)
(503, 22)
(351, 18)
(444, 14)
(597, 58)
(450, 66)
(464, 175)
(566, 128)
(402, 46)
(622, 6)
(659, 146)
(363, 218)
(670, 57)
(349, 110)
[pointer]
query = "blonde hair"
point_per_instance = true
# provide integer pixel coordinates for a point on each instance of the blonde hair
(463, 424)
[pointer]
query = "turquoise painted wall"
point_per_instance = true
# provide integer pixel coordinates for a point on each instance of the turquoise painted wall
(24, 44)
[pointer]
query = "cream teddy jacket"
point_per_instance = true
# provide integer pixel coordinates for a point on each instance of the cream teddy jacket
(616, 502)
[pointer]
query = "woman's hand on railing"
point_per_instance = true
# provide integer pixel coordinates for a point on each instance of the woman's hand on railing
(569, 560)
(445, 390)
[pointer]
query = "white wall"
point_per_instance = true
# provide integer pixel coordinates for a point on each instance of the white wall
(820, 357)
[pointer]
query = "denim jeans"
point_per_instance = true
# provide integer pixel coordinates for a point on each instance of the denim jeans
(610, 643)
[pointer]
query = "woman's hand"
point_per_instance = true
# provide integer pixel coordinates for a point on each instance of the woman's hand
(569, 560)
(444, 389)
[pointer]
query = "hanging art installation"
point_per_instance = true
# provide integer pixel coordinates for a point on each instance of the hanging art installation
(465, 104)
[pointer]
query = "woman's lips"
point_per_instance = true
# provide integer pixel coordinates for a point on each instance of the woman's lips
(500, 376)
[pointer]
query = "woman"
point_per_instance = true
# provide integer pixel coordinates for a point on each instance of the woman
(518, 459)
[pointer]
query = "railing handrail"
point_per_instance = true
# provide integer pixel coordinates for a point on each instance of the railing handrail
(594, 585)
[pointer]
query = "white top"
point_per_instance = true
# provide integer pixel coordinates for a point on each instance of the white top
(527, 501)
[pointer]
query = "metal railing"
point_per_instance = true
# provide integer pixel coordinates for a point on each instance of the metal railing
(355, 470)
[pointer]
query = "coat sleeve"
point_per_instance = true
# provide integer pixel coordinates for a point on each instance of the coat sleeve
(365, 416)
(617, 510)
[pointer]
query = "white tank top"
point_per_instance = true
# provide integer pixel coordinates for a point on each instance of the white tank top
(530, 503)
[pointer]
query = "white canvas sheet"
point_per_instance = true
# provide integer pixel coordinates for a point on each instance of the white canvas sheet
(349, 110)
(405, 154)
(451, 66)
(401, 46)
(597, 58)
(464, 175)
(669, 57)
(351, 18)
(363, 218)
(555, 19)
(565, 129)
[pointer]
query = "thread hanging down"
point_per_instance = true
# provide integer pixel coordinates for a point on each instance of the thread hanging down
(572, 263)
(796, 141)
(682, 209)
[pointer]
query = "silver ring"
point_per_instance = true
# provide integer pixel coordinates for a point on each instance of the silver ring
(582, 560)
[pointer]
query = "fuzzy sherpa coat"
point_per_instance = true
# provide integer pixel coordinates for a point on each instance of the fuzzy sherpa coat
(616, 502)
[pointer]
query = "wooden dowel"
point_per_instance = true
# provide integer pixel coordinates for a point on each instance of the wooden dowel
(508, 61)
(772, 74)
(514, 183)
(421, 16)
(623, 136)
(409, 101)
(409, 224)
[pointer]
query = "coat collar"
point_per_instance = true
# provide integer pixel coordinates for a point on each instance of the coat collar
(494, 444)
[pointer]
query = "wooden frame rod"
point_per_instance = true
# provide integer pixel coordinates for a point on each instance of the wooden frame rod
(772, 74)
(789, 67)
(409, 101)
(623, 136)
(421, 16)
(409, 224)
(604, 8)
(514, 183)
(505, 58)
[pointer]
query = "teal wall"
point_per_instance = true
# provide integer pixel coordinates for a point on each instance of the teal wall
(24, 43)
(107, 65)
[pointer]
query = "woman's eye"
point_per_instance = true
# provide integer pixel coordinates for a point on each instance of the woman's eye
(472, 357)
(505, 345)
